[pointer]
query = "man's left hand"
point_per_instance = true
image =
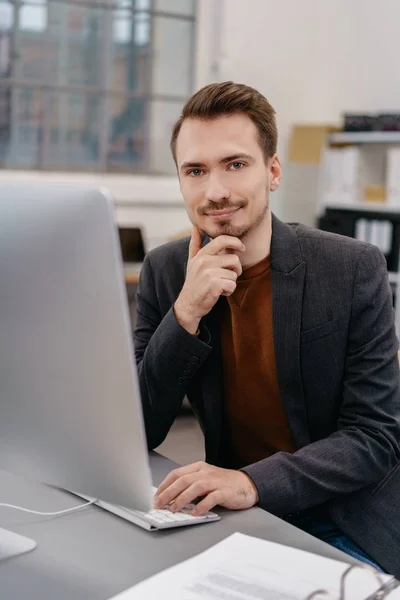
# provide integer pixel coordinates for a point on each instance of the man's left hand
(225, 487)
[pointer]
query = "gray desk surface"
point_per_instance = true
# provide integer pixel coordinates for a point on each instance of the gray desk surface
(92, 555)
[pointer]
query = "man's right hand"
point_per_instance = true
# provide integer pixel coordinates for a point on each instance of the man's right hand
(211, 273)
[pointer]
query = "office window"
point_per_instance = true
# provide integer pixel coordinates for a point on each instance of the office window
(93, 84)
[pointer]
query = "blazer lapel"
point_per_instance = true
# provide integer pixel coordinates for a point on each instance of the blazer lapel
(288, 275)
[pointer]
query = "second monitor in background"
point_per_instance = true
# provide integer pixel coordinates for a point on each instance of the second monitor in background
(132, 245)
(133, 252)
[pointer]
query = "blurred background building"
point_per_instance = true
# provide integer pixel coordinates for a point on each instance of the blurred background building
(93, 84)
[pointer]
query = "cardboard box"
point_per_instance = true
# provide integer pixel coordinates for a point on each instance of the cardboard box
(375, 193)
(307, 142)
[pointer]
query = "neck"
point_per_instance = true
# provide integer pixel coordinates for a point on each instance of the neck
(257, 242)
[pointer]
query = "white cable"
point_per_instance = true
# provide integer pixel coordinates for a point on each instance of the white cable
(48, 514)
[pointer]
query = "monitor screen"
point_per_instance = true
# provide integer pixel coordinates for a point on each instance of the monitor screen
(132, 247)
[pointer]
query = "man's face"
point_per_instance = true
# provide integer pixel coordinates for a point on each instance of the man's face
(224, 177)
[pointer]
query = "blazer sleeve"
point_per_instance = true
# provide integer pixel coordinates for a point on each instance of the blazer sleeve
(167, 357)
(365, 445)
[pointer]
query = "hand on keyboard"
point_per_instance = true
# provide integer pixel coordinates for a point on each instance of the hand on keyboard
(229, 488)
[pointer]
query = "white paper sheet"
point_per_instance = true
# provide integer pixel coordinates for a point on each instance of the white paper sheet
(247, 568)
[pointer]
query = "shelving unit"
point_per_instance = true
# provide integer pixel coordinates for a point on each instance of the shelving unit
(343, 216)
(364, 206)
(364, 137)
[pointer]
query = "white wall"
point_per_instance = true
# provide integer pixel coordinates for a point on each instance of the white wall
(312, 59)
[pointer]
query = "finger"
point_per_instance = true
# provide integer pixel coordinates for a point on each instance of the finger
(195, 243)
(176, 473)
(230, 261)
(173, 491)
(227, 287)
(224, 274)
(208, 503)
(194, 491)
(223, 242)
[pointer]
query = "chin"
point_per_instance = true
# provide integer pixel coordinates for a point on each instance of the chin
(226, 228)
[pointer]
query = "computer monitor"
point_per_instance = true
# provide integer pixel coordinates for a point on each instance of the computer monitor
(70, 410)
(132, 245)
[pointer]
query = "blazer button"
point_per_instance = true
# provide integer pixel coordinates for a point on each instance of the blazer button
(194, 360)
(181, 381)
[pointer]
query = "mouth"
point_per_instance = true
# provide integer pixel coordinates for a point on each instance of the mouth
(219, 215)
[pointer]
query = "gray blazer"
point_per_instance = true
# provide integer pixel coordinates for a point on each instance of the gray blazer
(338, 372)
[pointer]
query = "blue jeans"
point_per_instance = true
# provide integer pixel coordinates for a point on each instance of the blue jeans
(318, 523)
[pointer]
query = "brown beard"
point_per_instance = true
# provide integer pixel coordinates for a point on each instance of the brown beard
(226, 228)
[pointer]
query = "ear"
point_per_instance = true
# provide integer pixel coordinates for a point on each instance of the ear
(275, 170)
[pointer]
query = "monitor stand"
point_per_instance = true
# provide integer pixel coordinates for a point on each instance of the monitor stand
(13, 544)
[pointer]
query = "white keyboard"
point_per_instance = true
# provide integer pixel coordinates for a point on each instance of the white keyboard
(165, 519)
(156, 518)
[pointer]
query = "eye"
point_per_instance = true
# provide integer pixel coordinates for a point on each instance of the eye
(236, 166)
(194, 172)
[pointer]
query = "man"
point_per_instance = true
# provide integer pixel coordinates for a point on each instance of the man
(281, 336)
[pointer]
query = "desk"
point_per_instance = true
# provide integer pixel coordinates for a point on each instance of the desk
(131, 278)
(92, 555)
(132, 273)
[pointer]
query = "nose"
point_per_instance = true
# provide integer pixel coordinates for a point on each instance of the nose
(216, 190)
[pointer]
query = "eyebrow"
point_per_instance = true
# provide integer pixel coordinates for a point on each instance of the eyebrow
(192, 165)
(237, 157)
(226, 159)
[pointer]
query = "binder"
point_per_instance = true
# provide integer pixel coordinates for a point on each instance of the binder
(341, 176)
(389, 587)
(375, 231)
(393, 176)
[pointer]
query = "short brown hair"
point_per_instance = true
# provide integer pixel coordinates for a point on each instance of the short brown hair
(228, 98)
